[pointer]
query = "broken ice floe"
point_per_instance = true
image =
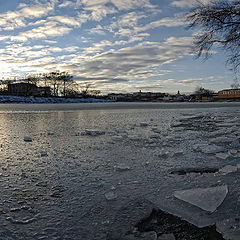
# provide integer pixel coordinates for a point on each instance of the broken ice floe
(223, 156)
(91, 132)
(110, 196)
(208, 199)
(151, 235)
(230, 228)
(228, 169)
(169, 236)
(162, 153)
(235, 143)
(27, 139)
(122, 168)
(221, 140)
(208, 149)
(233, 151)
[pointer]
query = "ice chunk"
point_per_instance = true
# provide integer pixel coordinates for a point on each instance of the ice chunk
(207, 199)
(122, 168)
(235, 143)
(221, 140)
(110, 196)
(27, 139)
(135, 137)
(117, 138)
(228, 169)
(223, 156)
(91, 132)
(143, 236)
(166, 237)
(209, 149)
(162, 153)
(230, 228)
(178, 152)
(233, 151)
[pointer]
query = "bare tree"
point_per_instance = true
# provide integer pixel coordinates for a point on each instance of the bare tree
(203, 91)
(66, 81)
(88, 92)
(219, 22)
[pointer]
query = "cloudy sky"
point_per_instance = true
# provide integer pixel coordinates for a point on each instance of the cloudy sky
(116, 45)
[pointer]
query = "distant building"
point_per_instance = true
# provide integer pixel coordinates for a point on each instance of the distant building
(229, 94)
(28, 89)
(117, 96)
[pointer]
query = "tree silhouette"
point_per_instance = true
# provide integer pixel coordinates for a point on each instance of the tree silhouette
(219, 22)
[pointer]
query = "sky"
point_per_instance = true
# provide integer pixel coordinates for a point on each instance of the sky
(114, 45)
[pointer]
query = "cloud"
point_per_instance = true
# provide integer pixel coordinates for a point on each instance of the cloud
(50, 29)
(16, 19)
(132, 4)
(164, 22)
(132, 63)
(64, 20)
(193, 81)
(65, 4)
(190, 3)
(97, 30)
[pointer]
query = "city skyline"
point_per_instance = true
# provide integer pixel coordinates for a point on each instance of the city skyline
(116, 46)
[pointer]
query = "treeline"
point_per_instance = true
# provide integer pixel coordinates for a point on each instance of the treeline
(60, 83)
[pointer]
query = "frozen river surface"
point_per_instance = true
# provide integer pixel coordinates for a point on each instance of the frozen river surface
(90, 172)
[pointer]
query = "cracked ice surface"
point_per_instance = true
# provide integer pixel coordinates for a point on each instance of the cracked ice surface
(89, 173)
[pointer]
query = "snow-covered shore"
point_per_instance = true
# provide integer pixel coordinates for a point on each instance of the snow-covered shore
(20, 99)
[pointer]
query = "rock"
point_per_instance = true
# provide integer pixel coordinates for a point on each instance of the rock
(228, 169)
(141, 236)
(207, 199)
(110, 196)
(222, 156)
(27, 139)
(167, 237)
